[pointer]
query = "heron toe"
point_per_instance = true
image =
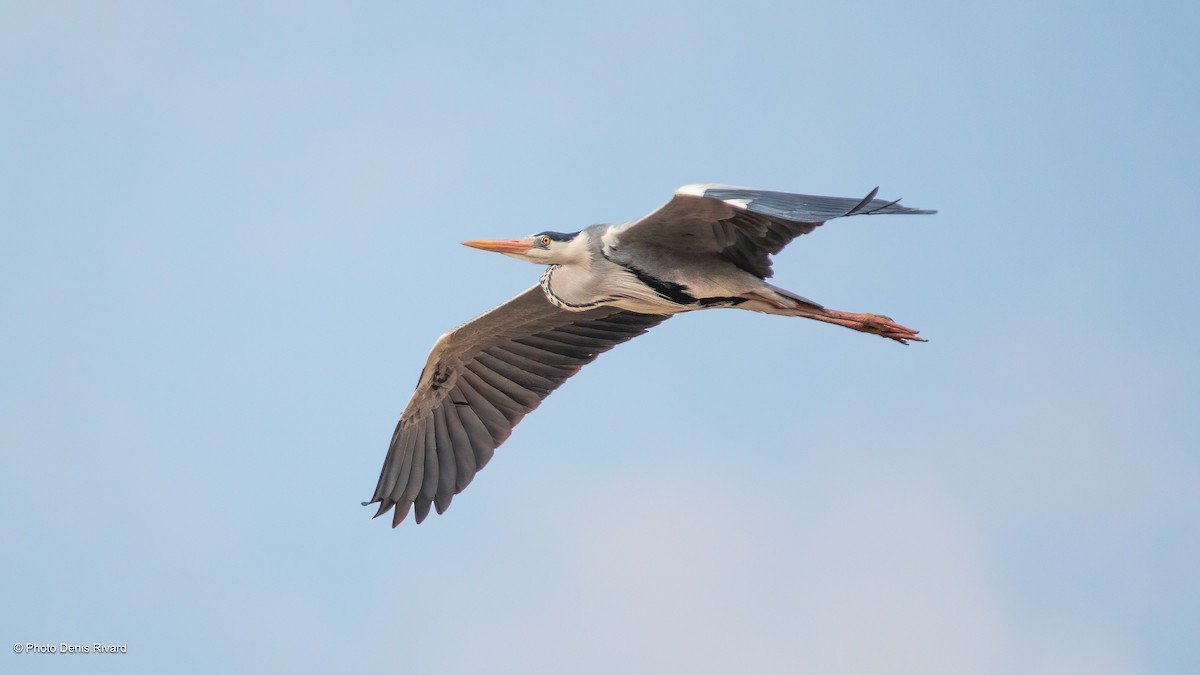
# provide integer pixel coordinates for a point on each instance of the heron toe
(875, 324)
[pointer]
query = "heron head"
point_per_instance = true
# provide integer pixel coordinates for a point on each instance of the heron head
(543, 248)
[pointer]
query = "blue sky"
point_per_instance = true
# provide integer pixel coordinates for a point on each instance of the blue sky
(228, 238)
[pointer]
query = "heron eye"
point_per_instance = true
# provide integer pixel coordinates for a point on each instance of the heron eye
(545, 240)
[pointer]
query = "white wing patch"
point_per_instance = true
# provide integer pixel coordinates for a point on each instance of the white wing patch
(699, 190)
(694, 190)
(612, 237)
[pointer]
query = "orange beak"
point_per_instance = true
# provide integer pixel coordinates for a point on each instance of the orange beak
(501, 245)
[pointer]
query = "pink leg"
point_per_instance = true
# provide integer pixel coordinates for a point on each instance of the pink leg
(869, 323)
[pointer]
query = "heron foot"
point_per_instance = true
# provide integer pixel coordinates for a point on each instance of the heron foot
(871, 323)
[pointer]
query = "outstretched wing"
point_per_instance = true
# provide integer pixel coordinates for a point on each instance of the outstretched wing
(742, 225)
(480, 380)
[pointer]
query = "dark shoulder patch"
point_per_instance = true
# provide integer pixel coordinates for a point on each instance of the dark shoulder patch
(669, 290)
(722, 302)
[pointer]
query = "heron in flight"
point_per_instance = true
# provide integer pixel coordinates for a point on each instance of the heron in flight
(709, 246)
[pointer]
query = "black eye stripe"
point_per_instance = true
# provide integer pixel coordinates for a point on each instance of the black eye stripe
(555, 236)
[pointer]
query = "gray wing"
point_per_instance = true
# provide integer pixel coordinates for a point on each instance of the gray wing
(480, 380)
(743, 225)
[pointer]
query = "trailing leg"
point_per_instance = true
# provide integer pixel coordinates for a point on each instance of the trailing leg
(868, 323)
(775, 300)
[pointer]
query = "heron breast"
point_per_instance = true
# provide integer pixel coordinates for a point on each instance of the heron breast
(565, 295)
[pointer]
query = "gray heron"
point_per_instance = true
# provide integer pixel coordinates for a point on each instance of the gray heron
(710, 246)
